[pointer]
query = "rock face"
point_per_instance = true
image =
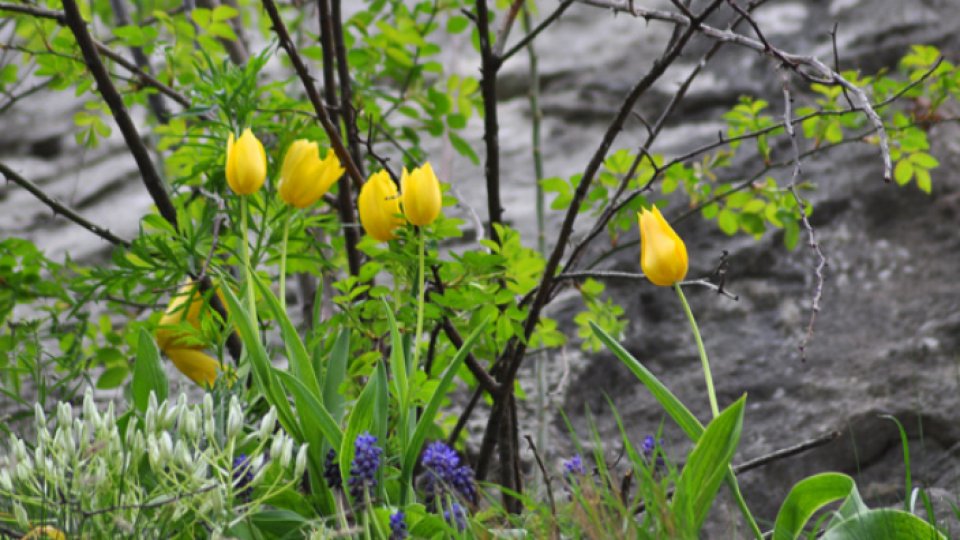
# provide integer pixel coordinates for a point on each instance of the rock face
(887, 340)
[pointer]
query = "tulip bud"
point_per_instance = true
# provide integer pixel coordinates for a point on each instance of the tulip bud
(379, 205)
(246, 163)
(421, 195)
(199, 367)
(663, 256)
(304, 177)
(187, 305)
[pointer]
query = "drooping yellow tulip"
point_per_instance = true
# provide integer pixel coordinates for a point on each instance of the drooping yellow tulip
(304, 177)
(379, 205)
(45, 531)
(663, 255)
(177, 312)
(198, 366)
(246, 163)
(421, 195)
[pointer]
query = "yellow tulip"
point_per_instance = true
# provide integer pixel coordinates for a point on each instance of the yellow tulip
(304, 177)
(421, 195)
(379, 205)
(246, 163)
(663, 256)
(177, 312)
(46, 531)
(198, 366)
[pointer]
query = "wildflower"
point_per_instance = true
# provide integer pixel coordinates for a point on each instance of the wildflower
(663, 256)
(186, 305)
(573, 467)
(331, 470)
(398, 526)
(45, 531)
(649, 445)
(444, 471)
(456, 516)
(364, 467)
(246, 163)
(379, 205)
(243, 477)
(421, 195)
(304, 177)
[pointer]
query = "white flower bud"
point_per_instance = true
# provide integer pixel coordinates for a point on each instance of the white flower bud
(200, 471)
(277, 445)
(90, 412)
(268, 423)
(166, 446)
(64, 413)
(23, 521)
(6, 483)
(234, 418)
(189, 426)
(40, 417)
(207, 405)
(257, 463)
(301, 463)
(110, 417)
(152, 404)
(153, 451)
(150, 419)
(131, 430)
(286, 454)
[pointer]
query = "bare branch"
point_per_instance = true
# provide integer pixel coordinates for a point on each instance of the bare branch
(59, 208)
(536, 31)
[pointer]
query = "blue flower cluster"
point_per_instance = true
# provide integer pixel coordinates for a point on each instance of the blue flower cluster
(331, 470)
(573, 467)
(443, 473)
(398, 526)
(456, 516)
(243, 477)
(364, 467)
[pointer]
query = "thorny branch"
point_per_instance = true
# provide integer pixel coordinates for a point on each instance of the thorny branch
(801, 205)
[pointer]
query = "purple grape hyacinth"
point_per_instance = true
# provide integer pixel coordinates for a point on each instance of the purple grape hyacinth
(364, 467)
(573, 467)
(398, 526)
(243, 477)
(331, 470)
(456, 516)
(443, 471)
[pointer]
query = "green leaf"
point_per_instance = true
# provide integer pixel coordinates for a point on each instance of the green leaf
(463, 147)
(312, 413)
(728, 222)
(361, 419)
(112, 378)
(148, 374)
(297, 355)
(923, 180)
(924, 160)
(707, 466)
(903, 172)
(806, 498)
(262, 370)
(278, 523)
(457, 24)
(883, 524)
(336, 373)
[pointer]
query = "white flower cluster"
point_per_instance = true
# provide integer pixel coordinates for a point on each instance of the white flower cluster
(177, 467)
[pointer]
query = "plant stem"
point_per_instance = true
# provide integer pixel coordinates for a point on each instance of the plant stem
(416, 349)
(283, 263)
(703, 352)
(248, 272)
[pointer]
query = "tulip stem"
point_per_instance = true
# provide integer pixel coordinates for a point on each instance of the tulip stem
(420, 297)
(283, 263)
(711, 393)
(248, 272)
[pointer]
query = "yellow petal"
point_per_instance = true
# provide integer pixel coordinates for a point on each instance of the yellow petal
(198, 366)
(422, 198)
(663, 255)
(186, 305)
(379, 207)
(46, 531)
(304, 176)
(246, 163)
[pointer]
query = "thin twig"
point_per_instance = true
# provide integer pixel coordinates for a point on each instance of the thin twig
(787, 452)
(59, 208)
(823, 75)
(536, 31)
(632, 276)
(504, 33)
(546, 480)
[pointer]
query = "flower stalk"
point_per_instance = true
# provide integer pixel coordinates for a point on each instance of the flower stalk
(704, 361)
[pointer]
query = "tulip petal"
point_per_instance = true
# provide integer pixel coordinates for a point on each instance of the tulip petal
(663, 255)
